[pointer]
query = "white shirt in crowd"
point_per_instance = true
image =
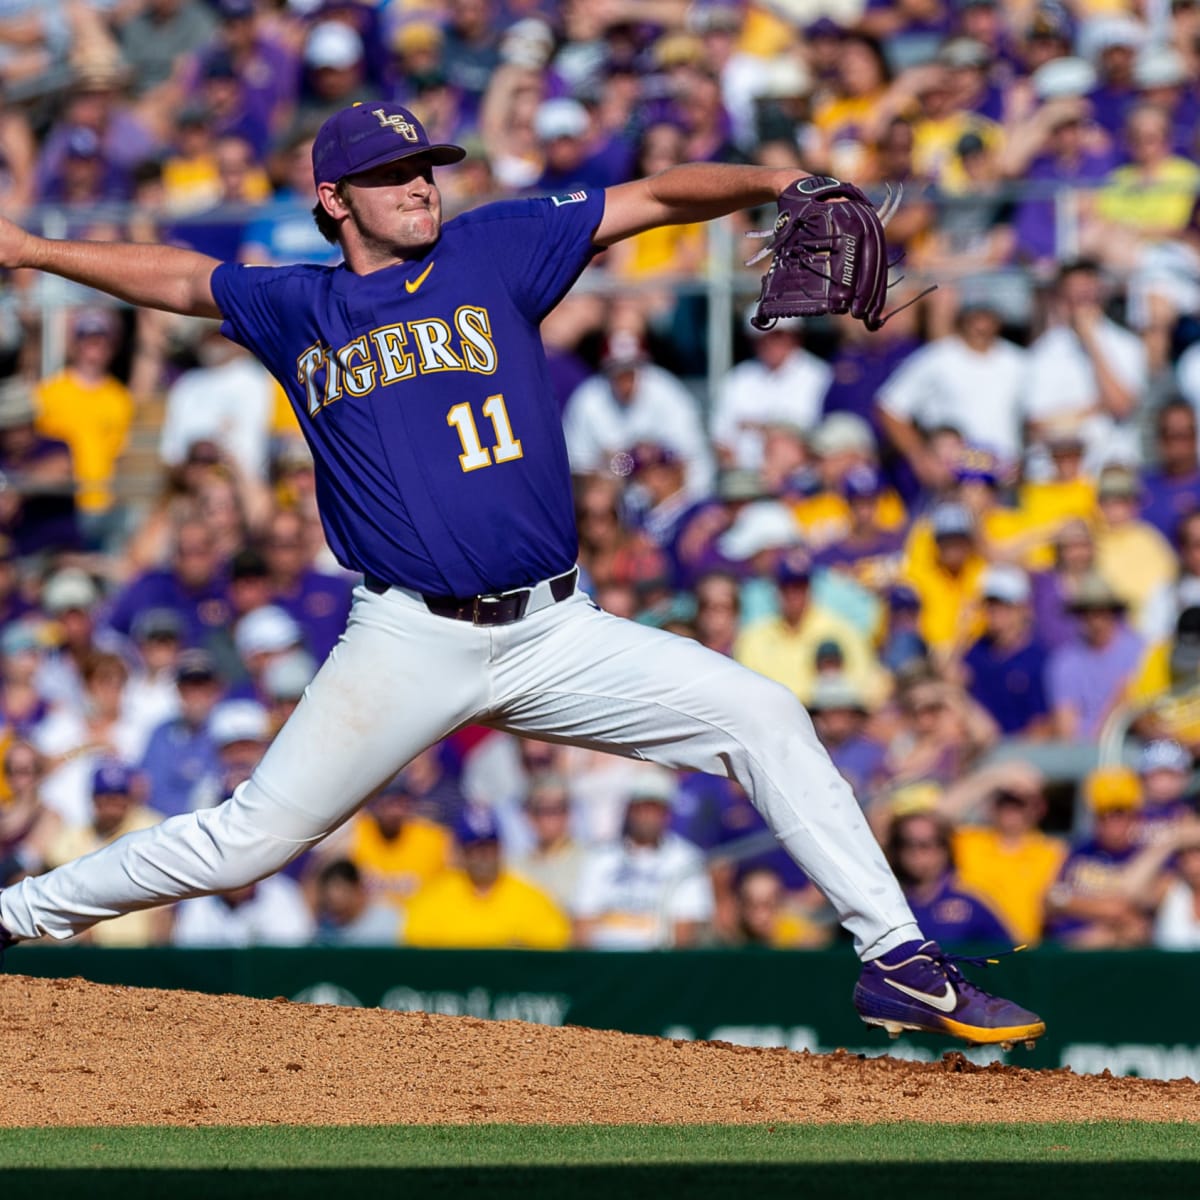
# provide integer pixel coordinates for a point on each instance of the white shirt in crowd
(979, 394)
(637, 893)
(1176, 926)
(231, 404)
(661, 411)
(1062, 388)
(275, 915)
(751, 397)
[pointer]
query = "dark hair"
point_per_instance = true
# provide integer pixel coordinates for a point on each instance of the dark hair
(340, 870)
(896, 836)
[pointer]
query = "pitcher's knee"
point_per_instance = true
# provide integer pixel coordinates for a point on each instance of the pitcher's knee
(237, 852)
(771, 716)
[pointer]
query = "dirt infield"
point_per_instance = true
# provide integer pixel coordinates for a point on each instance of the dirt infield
(77, 1053)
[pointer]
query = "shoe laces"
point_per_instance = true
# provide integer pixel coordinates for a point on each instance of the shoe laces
(950, 964)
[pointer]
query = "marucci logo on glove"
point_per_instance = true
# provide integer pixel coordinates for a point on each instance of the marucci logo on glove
(848, 262)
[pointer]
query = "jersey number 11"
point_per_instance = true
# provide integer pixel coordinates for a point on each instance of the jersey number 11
(475, 454)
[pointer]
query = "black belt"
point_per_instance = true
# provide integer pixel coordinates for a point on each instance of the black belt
(491, 608)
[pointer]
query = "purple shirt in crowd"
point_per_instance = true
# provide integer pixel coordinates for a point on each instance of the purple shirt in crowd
(1036, 228)
(1166, 499)
(203, 611)
(320, 605)
(1054, 624)
(1089, 680)
(953, 916)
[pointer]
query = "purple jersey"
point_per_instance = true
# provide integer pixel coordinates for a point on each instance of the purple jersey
(423, 391)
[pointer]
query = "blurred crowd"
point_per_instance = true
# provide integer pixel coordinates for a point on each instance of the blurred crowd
(970, 542)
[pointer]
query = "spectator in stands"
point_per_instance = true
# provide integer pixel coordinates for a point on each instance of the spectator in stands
(28, 829)
(1005, 858)
(941, 730)
(1171, 491)
(284, 232)
(1086, 369)
(1091, 906)
(68, 598)
(947, 580)
(396, 851)
(782, 382)
(764, 917)
(555, 860)
(265, 64)
(1130, 552)
(919, 850)
(868, 546)
(22, 706)
(649, 890)
(241, 187)
(37, 508)
(718, 610)
(227, 399)
(240, 731)
(318, 602)
(483, 905)
(76, 742)
(181, 752)
(972, 380)
(150, 695)
(784, 647)
(1088, 676)
(1177, 920)
(262, 636)
(284, 680)
(194, 584)
(1054, 589)
(14, 604)
(271, 912)
(840, 717)
(1165, 770)
(116, 809)
(345, 912)
(335, 72)
(632, 401)
(1006, 665)
(85, 406)
(158, 36)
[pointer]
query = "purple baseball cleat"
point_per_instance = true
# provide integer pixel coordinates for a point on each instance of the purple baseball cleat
(919, 986)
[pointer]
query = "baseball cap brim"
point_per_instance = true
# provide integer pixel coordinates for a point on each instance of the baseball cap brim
(441, 154)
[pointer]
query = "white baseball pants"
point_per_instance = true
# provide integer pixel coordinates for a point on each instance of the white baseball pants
(401, 678)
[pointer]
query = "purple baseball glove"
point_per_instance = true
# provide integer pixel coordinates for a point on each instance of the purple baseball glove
(828, 254)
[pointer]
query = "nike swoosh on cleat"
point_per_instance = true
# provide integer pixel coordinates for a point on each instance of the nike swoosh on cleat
(411, 285)
(946, 1002)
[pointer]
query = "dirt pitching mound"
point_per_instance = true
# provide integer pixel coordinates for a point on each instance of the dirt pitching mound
(76, 1053)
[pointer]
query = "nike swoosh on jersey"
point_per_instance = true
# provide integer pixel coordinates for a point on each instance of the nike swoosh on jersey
(411, 285)
(944, 1003)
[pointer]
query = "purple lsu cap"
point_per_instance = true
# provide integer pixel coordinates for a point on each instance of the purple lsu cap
(359, 138)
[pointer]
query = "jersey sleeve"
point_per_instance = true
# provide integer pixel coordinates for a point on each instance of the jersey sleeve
(540, 246)
(253, 303)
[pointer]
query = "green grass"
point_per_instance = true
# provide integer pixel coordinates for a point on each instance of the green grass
(1089, 1162)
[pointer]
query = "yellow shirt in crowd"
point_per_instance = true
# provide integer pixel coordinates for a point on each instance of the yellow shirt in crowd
(825, 517)
(93, 419)
(1014, 880)
(1163, 205)
(395, 870)
(1136, 560)
(951, 613)
(451, 912)
(788, 655)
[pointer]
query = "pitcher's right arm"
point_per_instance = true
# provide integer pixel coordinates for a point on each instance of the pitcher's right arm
(149, 275)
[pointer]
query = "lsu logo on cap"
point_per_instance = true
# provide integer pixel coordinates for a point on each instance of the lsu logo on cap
(397, 123)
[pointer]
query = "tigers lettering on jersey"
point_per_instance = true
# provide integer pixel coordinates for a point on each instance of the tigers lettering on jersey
(393, 353)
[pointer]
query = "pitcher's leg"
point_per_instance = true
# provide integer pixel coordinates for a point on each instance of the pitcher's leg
(395, 683)
(596, 680)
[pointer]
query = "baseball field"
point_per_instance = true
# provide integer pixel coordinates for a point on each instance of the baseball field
(116, 1091)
